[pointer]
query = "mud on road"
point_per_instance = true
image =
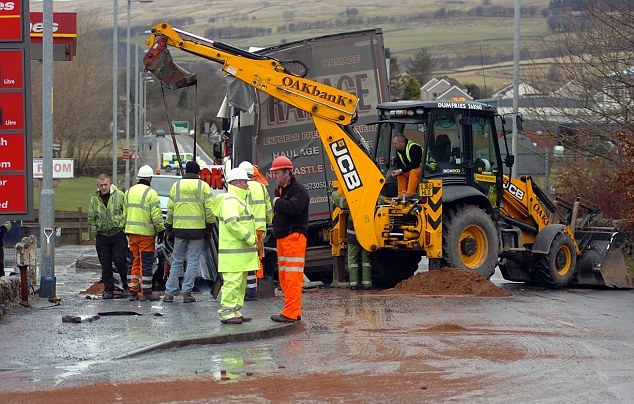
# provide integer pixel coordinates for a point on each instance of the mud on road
(537, 345)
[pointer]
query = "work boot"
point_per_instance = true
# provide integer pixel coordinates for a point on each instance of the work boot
(168, 299)
(188, 298)
(125, 293)
(134, 296)
(152, 297)
(108, 295)
(234, 320)
(280, 318)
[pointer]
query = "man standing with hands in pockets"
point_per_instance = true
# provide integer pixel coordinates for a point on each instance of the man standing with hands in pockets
(290, 228)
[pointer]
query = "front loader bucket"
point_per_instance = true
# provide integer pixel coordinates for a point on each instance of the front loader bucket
(158, 61)
(601, 262)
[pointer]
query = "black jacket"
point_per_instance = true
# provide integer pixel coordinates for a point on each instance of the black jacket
(415, 153)
(291, 210)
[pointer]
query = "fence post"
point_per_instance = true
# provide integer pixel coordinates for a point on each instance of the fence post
(81, 228)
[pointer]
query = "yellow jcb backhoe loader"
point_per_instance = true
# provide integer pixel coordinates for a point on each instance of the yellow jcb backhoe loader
(466, 213)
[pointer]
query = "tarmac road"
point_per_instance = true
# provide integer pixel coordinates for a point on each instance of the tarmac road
(539, 345)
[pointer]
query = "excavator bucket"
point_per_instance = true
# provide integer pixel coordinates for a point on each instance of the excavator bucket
(601, 262)
(158, 61)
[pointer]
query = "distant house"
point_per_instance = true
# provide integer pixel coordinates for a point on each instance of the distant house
(524, 90)
(571, 89)
(443, 89)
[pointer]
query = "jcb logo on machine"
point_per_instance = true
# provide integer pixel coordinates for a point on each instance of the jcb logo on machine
(514, 190)
(348, 171)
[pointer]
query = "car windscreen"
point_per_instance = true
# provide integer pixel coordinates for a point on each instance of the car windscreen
(163, 185)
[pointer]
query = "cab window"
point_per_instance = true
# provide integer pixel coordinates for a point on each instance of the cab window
(485, 162)
(445, 144)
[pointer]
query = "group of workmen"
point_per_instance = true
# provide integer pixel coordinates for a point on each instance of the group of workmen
(133, 220)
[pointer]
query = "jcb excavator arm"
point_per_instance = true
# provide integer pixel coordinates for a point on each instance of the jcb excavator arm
(332, 111)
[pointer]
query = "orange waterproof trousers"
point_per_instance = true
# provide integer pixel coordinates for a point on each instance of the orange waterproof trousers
(291, 256)
(140, 277)
(408, 182)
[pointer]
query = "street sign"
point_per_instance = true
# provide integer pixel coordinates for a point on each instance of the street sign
(180, 127)
(62, 168)
(11, 17)
(16, 146)
(12, 151)
(13, 194)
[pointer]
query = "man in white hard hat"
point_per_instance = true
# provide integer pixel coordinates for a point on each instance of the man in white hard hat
(260, 203)
(144, 222)
(237, 246)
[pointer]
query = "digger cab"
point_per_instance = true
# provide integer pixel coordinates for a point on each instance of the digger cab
(459, 141)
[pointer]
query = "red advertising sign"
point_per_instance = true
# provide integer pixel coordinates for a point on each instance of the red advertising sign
(64, 27)
(12, 193)
(11, 68)
(12, 152)
(11, 110)
(10, 21)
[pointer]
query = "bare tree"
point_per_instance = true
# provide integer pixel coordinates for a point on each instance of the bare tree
(595, 69)
(82, 96)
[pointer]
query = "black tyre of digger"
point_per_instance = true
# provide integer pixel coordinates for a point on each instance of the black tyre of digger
(389, 267)
(556, 269)
(470, 240)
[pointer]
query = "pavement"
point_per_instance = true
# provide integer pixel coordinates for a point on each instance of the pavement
(119, 328)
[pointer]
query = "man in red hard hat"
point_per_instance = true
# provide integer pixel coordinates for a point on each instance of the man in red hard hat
(290, 228)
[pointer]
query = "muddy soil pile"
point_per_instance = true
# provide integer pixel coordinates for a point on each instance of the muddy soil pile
(449, 281)
(96, 288)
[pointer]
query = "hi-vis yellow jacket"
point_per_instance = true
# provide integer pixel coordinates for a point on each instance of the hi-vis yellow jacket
(143, 211)
(237, 249)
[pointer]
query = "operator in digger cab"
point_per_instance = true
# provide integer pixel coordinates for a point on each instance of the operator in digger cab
(409, 156)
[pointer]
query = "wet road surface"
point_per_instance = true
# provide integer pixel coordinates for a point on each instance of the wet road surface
(539, 345)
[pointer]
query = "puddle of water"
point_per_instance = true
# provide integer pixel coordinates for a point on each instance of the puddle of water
(72, 370)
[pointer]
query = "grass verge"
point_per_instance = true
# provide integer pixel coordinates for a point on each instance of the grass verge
(70, 194)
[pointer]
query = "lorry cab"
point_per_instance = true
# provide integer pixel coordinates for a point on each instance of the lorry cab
(459, 141)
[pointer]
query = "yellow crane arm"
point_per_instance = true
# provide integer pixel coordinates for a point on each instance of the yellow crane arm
(332, 111)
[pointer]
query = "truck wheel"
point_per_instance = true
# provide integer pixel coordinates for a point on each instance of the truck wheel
(168, 169)
(389, 267)
(470, 240)
(556, 268)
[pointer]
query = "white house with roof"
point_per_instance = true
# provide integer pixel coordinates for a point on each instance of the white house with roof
(443, 89)
(524, 90)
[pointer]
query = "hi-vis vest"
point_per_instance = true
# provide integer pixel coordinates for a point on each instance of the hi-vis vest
(260, 204)
(407, 149)
(143, 211)
(237, 250)
(190, 204)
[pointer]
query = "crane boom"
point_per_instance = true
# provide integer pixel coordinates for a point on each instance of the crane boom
(332, 110)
